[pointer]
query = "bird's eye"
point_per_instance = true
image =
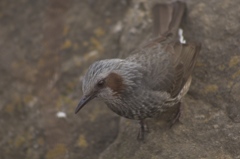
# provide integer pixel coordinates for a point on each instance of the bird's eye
(101, 83)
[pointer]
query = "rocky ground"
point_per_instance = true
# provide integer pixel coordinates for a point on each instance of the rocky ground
(45, 48)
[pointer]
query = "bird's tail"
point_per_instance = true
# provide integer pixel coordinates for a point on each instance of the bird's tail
(167, 18)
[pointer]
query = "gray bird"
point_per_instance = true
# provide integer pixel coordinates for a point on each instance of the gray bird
(150, 81)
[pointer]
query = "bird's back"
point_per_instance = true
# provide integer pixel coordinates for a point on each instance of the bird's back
(158, 67)
(168, 63)
(167, 66)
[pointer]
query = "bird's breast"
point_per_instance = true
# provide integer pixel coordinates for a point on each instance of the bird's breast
(138, 108)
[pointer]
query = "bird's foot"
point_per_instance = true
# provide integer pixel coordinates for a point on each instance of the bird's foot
(177, 116)
(143, 128)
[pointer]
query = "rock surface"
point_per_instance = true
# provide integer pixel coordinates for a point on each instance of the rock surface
(46, 46)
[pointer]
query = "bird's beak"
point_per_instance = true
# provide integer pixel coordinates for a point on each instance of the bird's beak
(84, 101)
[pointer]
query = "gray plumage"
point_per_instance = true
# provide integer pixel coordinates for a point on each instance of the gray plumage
(153, 79)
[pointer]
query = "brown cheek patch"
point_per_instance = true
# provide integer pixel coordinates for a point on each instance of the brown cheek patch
(115, 82)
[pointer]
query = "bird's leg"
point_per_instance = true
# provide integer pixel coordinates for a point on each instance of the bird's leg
(141, 130)
(146, 127)
(177, 116)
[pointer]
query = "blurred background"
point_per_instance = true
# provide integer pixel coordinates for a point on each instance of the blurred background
(45, 47)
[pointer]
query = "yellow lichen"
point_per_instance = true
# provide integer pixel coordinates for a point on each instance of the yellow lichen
(40, 141)
(199, 64)
(15, 103)
(19, 140)
(65, 30)
(59, 151)
(82, 142)
(71, 85)
(63, 100)
(93, 115)
(230, 84)
(41, 63)
(221, 67)
(77, 60)
(210, 88)
(27, 98)
(9, 108)
(67, 100)
(236, 74)
(99, 32)
(31, 73)
(234, 61)
(67, 44)
(59, 102)
(96, 44)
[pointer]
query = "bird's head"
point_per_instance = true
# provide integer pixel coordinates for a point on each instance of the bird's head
(108, 80)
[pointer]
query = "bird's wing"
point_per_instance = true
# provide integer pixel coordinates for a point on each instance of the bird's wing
(168, 63)
(159, 71)
(167, 67)
(185, 56)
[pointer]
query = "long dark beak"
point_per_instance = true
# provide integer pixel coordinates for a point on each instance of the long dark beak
(84, 101)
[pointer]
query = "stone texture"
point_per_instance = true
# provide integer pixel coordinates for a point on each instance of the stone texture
(46, 47)
(209, 125)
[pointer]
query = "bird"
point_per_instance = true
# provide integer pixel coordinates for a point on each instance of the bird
(153, 78)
